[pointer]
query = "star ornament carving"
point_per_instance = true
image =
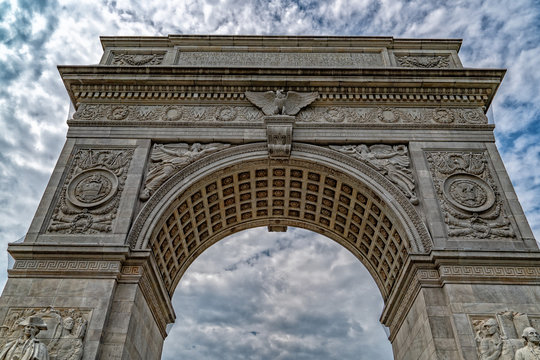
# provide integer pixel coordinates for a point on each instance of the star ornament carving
(279, 103)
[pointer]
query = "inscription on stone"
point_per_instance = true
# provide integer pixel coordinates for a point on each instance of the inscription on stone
(280, 59)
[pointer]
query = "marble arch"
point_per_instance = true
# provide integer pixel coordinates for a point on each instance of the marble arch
(381, 144)
(314, 190)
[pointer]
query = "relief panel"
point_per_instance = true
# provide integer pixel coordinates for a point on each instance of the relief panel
(470, 201)
(506, 336)
(60, 333)
(90, 196)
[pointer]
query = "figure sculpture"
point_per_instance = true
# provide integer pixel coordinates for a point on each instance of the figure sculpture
(278, 103)
(390, 160)
(168, 159)
(531, 350)
(27, 347)
(69, 346)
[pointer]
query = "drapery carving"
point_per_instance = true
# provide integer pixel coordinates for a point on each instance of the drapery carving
(391, 160)
(499, 336)
(167, 159)
(64, 333)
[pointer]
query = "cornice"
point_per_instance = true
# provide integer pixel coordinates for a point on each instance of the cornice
(470, 87)
(280, 40)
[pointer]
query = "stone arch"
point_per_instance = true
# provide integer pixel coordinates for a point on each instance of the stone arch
(317, 189)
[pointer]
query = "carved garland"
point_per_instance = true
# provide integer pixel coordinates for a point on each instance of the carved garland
(121, 114)
(90, 196)
(469, 198)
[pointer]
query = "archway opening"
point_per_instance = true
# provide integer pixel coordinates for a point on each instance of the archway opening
(293, 295)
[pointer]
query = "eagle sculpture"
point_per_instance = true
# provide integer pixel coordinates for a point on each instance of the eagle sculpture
(278, 103)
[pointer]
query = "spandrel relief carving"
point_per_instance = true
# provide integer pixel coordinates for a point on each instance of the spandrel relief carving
(501, 336)
(167, 159)
(91, 192)
(61, 334)
(469, 198)
(390, 160)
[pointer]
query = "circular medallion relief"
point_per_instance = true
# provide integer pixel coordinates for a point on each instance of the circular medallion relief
(468, 192)
(92, 188)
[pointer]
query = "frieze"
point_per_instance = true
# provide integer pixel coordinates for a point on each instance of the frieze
(282, 59)
(60, 333)
(116, 113)
(166, 113)
(90, 196)
(392, 115)
(168, 159)
(426, 62)
(392, 161)
(469, 198)
(137, 59)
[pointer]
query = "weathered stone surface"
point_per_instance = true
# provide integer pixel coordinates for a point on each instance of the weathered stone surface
(381, 144)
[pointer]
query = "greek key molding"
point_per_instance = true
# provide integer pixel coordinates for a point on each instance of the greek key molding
(490, 271)
(67, 265)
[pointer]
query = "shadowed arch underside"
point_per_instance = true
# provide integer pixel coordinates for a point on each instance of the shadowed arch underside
(295, 193)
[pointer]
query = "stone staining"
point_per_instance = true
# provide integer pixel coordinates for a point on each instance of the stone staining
(426, 62)
(90, 195)
(137, 59)
(168, 159)
(392, 161)
(468, 196)
(64, 336)
(498, 336)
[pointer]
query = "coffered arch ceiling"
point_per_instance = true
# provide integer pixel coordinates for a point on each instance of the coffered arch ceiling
(347, 201)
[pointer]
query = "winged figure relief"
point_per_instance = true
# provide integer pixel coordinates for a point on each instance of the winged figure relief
(279, 103)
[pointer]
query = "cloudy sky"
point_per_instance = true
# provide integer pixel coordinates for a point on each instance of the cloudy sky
(284, 296)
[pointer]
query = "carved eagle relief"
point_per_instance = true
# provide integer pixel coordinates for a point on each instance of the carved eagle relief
(278, 103)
